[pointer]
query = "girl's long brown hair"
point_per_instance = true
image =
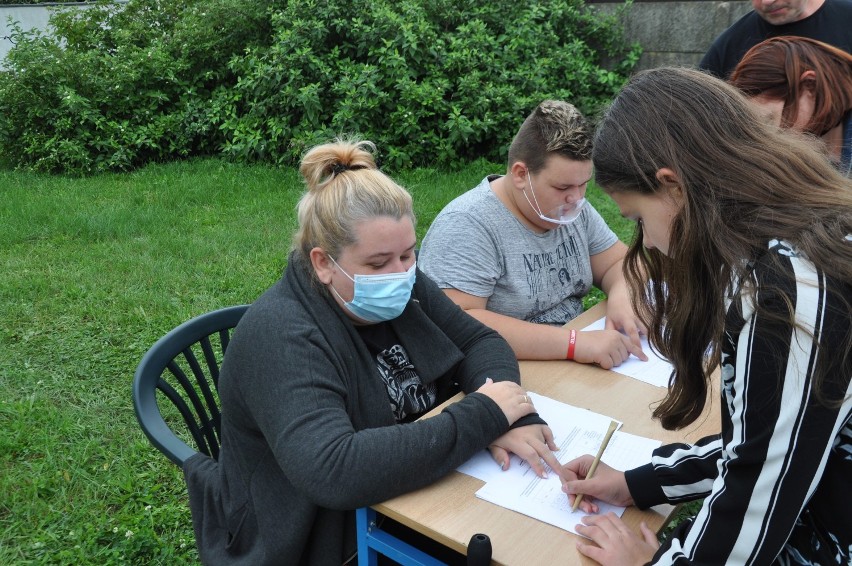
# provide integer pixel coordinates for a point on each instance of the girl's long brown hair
(775, 67)
(744, 184)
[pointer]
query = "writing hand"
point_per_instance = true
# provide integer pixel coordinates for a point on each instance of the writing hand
(608, 484)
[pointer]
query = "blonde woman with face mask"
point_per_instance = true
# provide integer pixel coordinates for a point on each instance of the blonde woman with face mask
(330, 368)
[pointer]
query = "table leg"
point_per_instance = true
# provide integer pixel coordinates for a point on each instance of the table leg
(373, 541)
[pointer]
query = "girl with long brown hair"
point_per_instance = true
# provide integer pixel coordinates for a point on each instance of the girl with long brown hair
(742, 258)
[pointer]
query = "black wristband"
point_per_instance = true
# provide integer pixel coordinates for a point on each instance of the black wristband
(526, 420)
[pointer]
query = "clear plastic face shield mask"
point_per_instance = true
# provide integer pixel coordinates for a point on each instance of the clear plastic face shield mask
(565, 213)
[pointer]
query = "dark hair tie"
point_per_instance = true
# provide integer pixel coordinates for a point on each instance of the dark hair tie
(339, 168)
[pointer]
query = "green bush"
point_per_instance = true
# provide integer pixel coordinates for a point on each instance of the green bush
(433, 83)
(438, 82)
(117, 86)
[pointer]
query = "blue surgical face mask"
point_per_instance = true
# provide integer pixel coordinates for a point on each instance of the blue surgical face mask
(380, 297)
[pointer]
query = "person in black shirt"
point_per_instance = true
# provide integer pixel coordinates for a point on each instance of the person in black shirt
(829, 21)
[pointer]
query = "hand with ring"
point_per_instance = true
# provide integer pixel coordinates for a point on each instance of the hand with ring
(533, 443)
(510, 397)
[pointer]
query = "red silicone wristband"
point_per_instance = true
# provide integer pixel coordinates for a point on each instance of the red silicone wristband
(572, 341)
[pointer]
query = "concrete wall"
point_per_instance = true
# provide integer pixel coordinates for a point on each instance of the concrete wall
(670, 32)
(29, 16)
(676, 33)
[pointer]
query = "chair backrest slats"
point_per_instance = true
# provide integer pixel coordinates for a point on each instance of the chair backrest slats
(224, 340)
(201, 415)
(198, 435)
(213, 368)
(166, 369)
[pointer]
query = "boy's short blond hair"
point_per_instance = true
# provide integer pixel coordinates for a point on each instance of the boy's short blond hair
(554, 127)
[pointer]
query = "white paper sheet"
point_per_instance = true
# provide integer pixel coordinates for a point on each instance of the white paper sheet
(655, 371)
(482, 466)
(576, 431)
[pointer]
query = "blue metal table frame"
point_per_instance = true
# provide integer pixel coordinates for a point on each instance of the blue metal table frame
(373, 541)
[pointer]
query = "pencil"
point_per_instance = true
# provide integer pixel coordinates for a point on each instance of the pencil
(612, 426)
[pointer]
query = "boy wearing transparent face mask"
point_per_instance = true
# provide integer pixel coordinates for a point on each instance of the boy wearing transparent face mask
(520, 251)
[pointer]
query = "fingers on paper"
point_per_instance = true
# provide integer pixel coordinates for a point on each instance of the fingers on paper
(634, 346)
(533, 456)
(549, 458)
(634, 331)
(500, 455)
(587, 505)
(574, 488)
(548, 439)
(601, 530)
(605, 530)
(616, 543)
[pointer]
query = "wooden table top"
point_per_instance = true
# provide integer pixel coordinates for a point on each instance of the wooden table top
(450, 513)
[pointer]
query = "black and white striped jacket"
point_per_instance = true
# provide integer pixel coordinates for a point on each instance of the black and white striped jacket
(777, 482)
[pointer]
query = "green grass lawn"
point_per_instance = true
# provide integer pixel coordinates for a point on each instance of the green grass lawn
(94, 271)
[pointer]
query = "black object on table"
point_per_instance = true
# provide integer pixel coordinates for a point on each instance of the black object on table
(479, 550)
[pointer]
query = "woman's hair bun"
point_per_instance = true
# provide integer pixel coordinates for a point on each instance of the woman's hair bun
(322, 164)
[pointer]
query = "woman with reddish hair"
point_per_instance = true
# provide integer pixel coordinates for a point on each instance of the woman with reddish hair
(803, 84)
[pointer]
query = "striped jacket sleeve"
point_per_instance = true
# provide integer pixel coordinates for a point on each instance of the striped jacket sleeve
(766, 474)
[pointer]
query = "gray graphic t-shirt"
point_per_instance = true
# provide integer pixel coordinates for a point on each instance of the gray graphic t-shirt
(475, 245)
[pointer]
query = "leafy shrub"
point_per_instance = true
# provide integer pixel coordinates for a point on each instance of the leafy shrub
(439, 82)
(116, 86)
(432, 83)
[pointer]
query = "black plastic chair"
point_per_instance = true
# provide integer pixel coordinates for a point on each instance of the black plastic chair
(183, 368)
